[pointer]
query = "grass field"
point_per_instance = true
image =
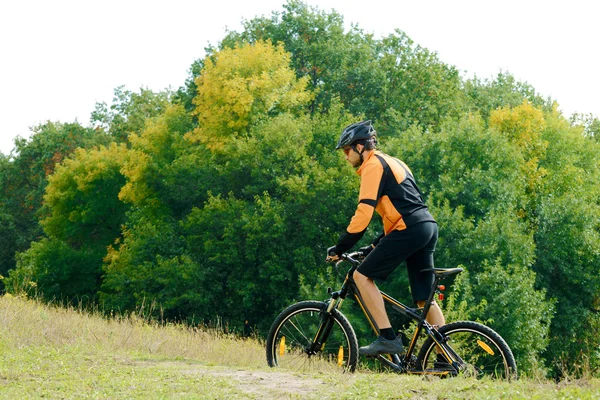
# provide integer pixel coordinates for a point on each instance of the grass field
(58, 353)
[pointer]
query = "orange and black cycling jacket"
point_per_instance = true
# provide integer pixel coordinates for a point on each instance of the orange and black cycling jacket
(388, 187)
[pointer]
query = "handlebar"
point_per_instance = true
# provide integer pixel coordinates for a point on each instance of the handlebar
(352, 258)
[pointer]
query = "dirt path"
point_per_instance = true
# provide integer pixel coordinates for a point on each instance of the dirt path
(258, 382)
(273, 384)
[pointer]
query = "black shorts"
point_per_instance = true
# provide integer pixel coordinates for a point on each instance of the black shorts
(414, 244)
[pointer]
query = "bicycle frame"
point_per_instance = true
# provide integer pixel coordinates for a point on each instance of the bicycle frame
(418, 314)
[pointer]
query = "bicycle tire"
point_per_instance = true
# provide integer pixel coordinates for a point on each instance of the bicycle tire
(483, 351)
(297, 326)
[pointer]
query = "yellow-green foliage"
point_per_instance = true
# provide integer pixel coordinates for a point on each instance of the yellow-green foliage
(524, 125)
(83, 215)
(160, 141)
(242, 85)
(77, 191)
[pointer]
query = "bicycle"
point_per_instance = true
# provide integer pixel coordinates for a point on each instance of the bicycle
(310, 334)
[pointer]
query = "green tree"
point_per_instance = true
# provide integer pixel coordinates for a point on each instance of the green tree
(466, 164)
(166, 176)
(23, 179)
(568, 241)
(53, 270)
(415, 87)
(371, 77)
(129, 111)
(590, 124)
(504, 90)
(81, 200)
(83, 217)
(149, 266)
(165, 172)
(503, 297)
(315, 40)
(242, 86)
(474, 179)
(8, 228)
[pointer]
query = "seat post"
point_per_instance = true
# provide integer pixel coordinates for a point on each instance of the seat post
(427, 306)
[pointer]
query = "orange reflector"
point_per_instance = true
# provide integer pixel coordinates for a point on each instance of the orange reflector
(282, 346)
(340, 356)
(442, 287)
(487, 348)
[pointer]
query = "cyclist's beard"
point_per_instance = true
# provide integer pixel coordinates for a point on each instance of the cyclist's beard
(357, 162)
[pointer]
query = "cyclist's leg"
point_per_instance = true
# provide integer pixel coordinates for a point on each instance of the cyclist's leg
(383, 260)
(435, 316)
(421, 282)
(386, 342)
(373, 300)
(380, 263)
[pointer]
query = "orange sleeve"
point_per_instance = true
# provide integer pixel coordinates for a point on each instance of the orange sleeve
(361, 219)
(370, 182)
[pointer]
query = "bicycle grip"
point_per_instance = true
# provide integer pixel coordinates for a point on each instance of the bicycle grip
(331, 251)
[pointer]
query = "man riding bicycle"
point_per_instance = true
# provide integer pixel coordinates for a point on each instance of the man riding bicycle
(409, 231)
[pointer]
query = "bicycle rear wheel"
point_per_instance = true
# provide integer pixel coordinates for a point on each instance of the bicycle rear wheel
(291, 337)
(481, 352)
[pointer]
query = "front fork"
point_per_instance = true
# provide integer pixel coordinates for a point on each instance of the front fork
(327, 322)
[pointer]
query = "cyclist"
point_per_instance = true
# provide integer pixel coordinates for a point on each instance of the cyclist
(410, 232)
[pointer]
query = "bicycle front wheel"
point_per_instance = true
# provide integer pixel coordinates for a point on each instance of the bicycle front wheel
(291, 340)
(479, 349)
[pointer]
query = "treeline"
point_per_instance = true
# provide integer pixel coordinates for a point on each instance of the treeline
(218, 200)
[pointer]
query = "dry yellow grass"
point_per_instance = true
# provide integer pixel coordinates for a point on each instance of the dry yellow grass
(26, 322)
(54, 352)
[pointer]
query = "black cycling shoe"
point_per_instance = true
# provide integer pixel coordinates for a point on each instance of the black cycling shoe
(382, 346)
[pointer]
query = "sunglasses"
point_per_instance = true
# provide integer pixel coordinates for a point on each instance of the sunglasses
(347, 150)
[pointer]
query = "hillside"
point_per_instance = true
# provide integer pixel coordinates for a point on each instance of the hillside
(54, 352)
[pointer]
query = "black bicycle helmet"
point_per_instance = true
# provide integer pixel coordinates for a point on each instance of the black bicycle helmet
(357, 131)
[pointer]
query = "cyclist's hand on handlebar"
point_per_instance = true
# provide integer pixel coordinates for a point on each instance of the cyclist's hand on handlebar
(332, 255)
(366, 250)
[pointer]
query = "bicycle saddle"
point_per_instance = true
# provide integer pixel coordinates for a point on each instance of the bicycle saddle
(444, 271)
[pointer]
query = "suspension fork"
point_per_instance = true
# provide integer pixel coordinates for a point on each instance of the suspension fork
(327, 322)
(335, 303)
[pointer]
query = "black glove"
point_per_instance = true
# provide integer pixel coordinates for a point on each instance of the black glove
(331, 252)
(366, 250)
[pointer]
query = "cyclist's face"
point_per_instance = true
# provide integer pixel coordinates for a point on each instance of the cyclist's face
(352, 156)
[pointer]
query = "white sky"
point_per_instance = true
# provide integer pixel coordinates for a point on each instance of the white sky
(59, 57)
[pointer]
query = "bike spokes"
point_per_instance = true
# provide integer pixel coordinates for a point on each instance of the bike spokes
(303, 340)
(476, 356)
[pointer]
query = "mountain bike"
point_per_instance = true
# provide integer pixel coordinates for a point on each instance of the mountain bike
(312, 335)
